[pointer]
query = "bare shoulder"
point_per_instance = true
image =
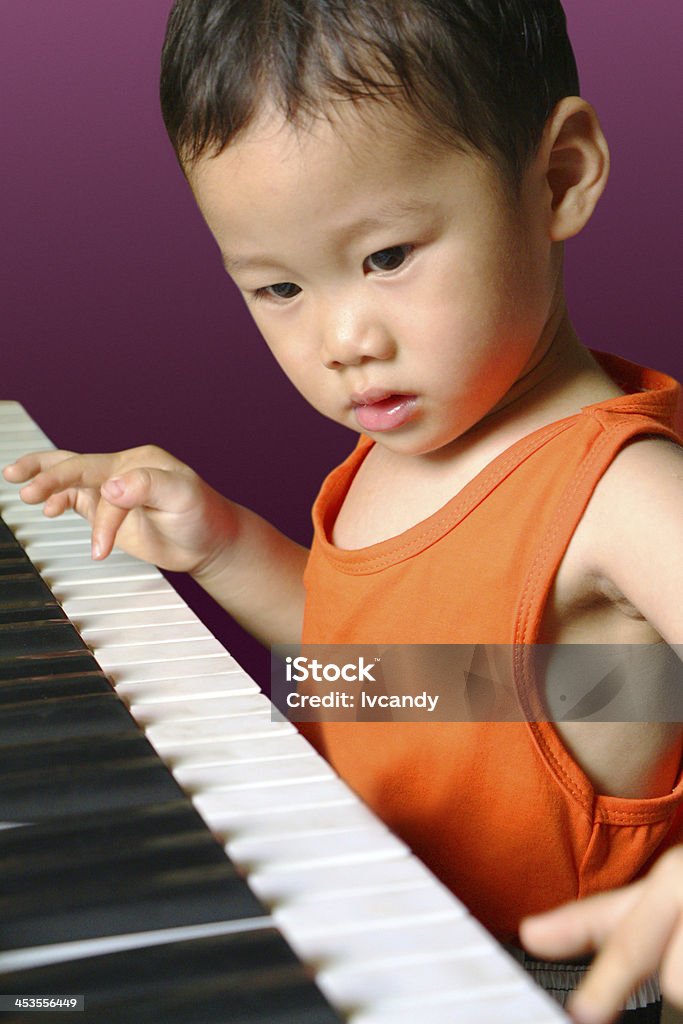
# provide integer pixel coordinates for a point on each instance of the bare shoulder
(631, 536)
(646, 465)
(641, 491)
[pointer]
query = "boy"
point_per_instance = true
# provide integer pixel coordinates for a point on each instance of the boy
(390, 183)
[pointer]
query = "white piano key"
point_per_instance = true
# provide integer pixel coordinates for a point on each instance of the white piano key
(68, 528)
(456, 936)
(177, 737)
(189, 716)
(198, 666)
(11, 409)
(490, 1007)
(209, 758)
(117, 595)
(101, 607)
(147, 635)
(307, 851)
(137, 654)
(71, 541)
(67, 531)
(14, 503)
(241, 750)
(322, 820)
(22, 434)
(196, 779)
(133, 619)
(96, 573)
(167, 691)
(16, 514)
(240, 811)
(219, 808)
(420, 977)
(275, 886)
(82, 558)
(202, 707)
(352, 913)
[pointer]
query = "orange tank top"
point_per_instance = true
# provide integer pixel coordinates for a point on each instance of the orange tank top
(499, 811)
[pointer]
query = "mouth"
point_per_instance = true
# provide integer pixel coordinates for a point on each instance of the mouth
(377, 410)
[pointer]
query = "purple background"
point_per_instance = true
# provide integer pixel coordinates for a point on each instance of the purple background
(119, 325)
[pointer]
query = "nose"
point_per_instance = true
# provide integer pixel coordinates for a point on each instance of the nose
(352, 333)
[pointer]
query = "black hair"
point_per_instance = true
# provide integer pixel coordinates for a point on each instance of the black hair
(486, 73)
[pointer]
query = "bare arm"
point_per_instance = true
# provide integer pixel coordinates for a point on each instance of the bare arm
(637, 528)
(258, 579)
(635, 521)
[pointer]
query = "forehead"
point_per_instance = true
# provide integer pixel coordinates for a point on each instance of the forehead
(357, 165)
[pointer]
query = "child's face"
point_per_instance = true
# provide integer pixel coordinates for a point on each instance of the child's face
(398, 287)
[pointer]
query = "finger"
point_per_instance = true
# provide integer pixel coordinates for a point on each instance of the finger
(32, 463)
(630, 955)
(57, 504)
(80, 471)
(150, 488)
(578, 927)
(107, 521)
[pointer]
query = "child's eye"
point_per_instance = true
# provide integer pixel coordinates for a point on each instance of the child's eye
(388, 259)
(281, 290)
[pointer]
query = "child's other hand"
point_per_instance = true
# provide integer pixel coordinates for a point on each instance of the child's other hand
(637, 931)
(143, 500)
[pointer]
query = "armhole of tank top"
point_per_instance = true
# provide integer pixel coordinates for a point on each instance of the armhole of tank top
(539, 577)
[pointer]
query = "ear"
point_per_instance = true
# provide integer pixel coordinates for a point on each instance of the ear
(576, 158)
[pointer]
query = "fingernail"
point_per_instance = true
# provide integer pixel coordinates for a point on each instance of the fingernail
(96, 549)
(113, 487)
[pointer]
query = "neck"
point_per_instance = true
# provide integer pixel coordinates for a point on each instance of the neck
(559, 351)
(558, 380)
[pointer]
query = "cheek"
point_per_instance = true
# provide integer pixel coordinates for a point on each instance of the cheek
(300, 365)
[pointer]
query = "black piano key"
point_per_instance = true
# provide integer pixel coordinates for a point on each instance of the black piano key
(252, 976)
(54, 718)
(39, 852)
(79, 684)
(73, 754)
(42, 796)
(104, 901)
(25, 589)
(7, 538)
(11, 563)
(38, 614)
(63, 883)
(6, 534)
(269, 997)
(39, 639)
(19, 668)
(82, 840)
(132, 860)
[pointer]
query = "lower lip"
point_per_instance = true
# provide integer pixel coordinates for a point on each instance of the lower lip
(388, 414)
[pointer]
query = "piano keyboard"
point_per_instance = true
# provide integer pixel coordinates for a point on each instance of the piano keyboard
(113, 885)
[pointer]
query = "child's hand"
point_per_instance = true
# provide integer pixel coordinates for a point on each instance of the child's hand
(637, 929)
(143, 500)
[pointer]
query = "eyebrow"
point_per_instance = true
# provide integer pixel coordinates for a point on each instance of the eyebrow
(384, 213)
